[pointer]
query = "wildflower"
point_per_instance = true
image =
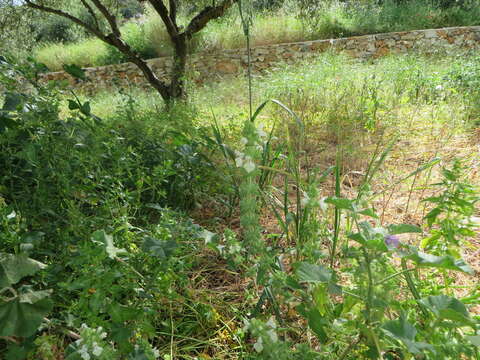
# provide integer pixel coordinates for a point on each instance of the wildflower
(248, 164)
(305, 200)
(323, 205)
(271, 323)
(260, 131)
(392, 241)
(258, 346)
(439, 87)
(244, 141)
(83, 351)
(97, 350)
(273, 335)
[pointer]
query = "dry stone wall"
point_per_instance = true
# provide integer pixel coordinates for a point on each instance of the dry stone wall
(208, 66)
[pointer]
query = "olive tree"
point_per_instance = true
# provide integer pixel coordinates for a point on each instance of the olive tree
(105, 11)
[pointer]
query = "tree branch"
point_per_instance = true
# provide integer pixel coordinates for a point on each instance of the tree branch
(173, 10)
(97, 32)
(207, 14)
(162, 10)
(113, 39)
(112, 20)
(91, 12)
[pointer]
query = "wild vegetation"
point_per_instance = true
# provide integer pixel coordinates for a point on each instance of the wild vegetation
(325, 210)
(288, 23)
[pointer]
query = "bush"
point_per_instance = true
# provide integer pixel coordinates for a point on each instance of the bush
(95, 171)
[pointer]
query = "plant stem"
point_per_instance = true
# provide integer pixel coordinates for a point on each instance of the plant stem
(412, 287)
(337, 215)
(393, 275)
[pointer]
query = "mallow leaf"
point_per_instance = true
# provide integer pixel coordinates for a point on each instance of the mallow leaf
(159, 248)
(15, 267)
(23, 315)
(107, 240)
(441, 262)
(312, 273)
(341, 203)
(449, 308)
(402, 330)
(403, 229)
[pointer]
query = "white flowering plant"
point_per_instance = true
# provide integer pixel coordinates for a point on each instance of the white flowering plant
(92, 345)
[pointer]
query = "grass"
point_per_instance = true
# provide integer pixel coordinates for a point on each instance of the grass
(335, 19)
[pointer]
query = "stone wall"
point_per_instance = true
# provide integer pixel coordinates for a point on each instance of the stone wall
(208, 66)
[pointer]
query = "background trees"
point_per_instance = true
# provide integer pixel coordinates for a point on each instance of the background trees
(102, 20)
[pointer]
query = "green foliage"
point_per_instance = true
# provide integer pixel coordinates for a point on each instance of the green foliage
(90, 197)
(317, 271)
(286, 21)
(452, 218)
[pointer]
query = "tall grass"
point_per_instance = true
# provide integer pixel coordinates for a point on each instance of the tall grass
(334, 19)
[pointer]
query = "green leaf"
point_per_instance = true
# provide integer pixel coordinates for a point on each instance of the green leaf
(75, 71)
(12, 101)
(341, 203)
(102, 237)
(18, 352)
(403, 229)
(6, 122)
(358, 237)
(369, 212)
(317, 323)
(15, 267)
(440, 262)
(208, 236)
(23, 315)
(73, 105)
(138, 354)
(402, 330)
(474, 339)
(86, 109)
(120, 313)
(432, 216)
(312, 273)
(159, 248)
(447, 307)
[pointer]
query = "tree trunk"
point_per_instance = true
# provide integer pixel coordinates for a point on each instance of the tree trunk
(177, 85)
